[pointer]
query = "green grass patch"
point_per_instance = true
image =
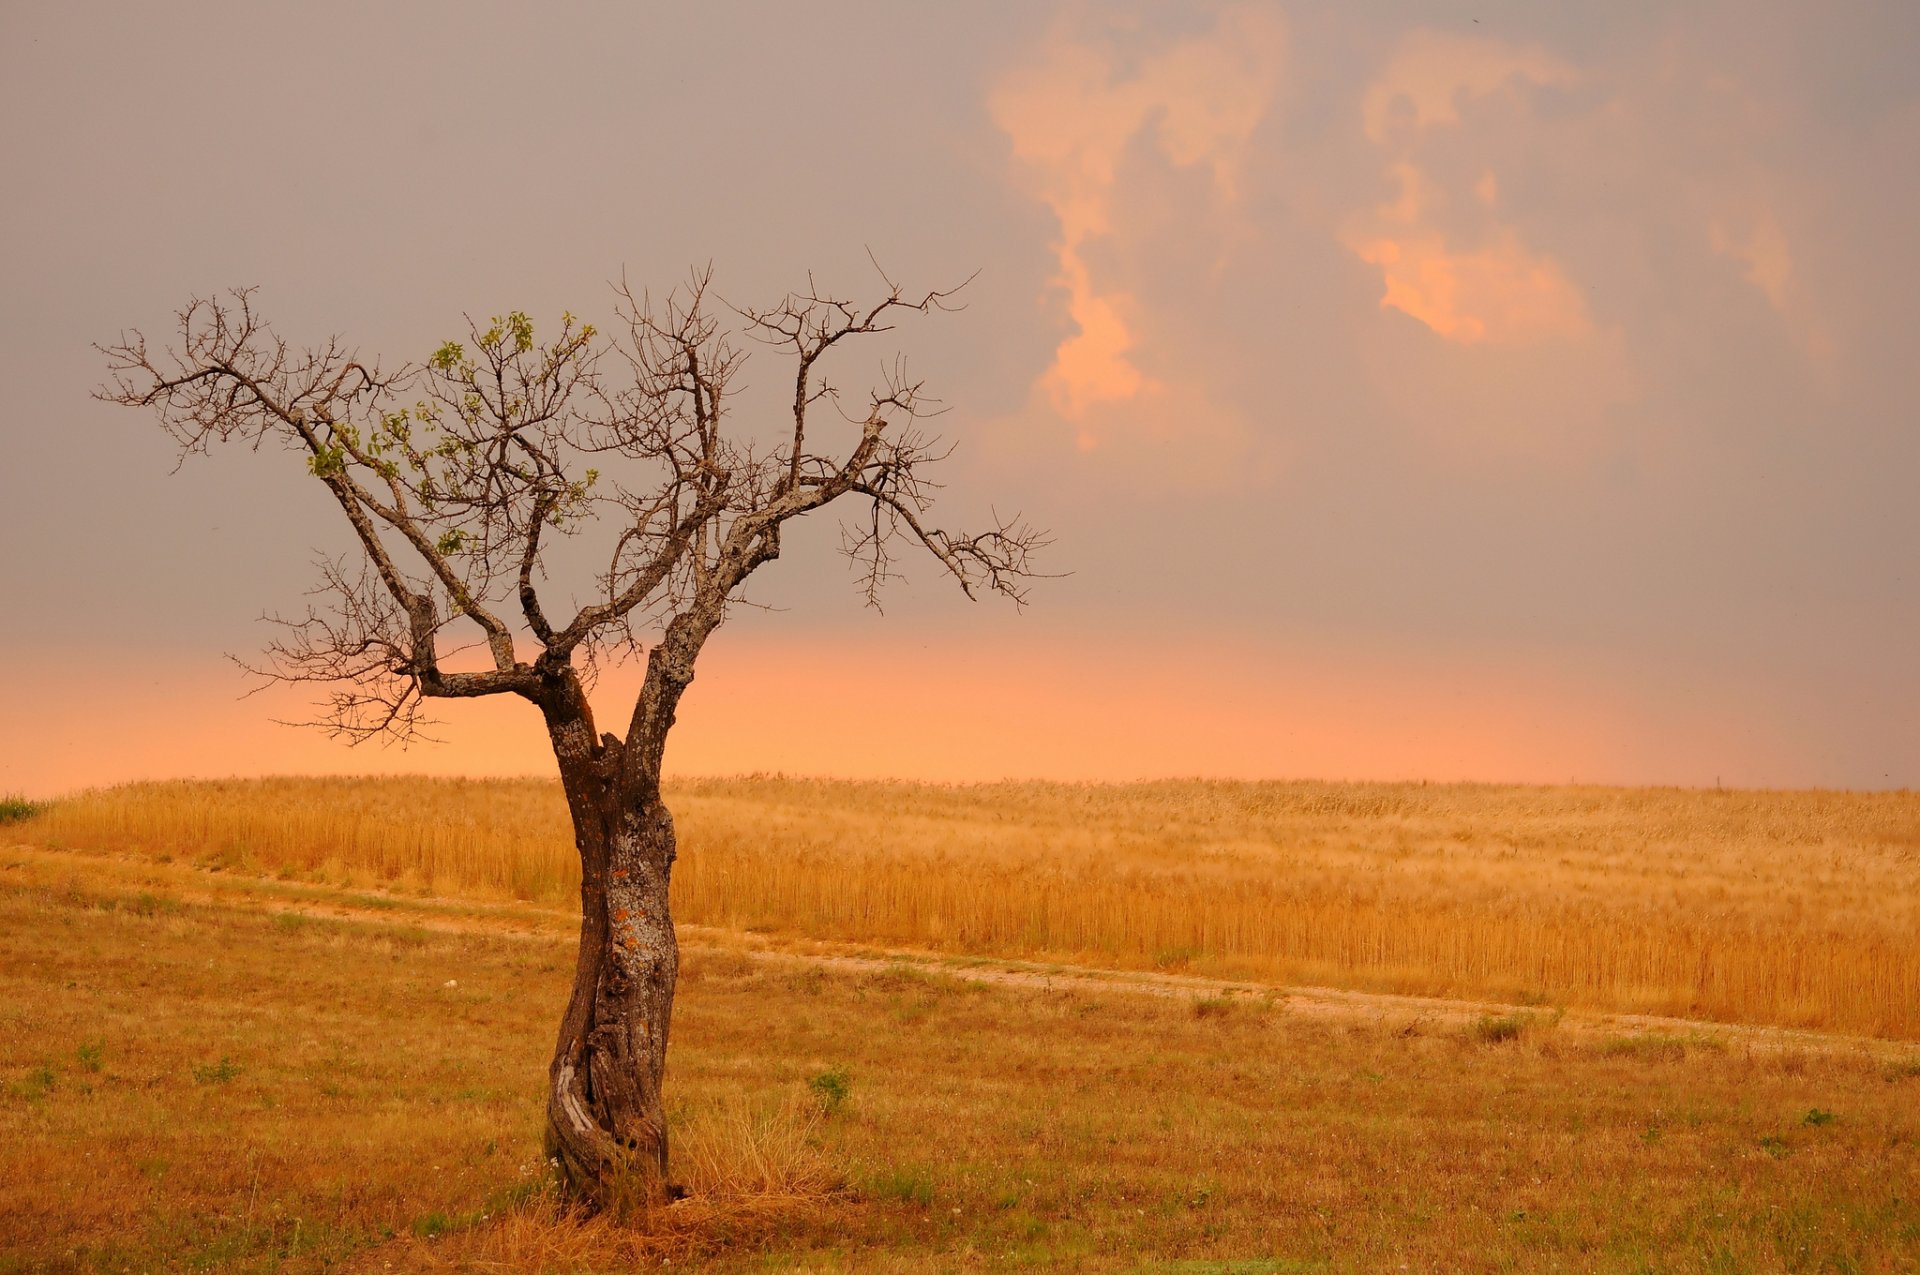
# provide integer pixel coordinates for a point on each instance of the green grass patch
(149, 904)
(1233, 1266)
(1212, 1006)
(903, 1184)
(36, 1084)
(220, 1073)
(1648, 1047)
(1491, 1029)
(832, 1087)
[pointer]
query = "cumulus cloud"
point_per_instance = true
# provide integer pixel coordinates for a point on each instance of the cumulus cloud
(1489, 246)
(1075, 113)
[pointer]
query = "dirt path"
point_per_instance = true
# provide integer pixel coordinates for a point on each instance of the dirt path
(110, 876)
(1329, 1003)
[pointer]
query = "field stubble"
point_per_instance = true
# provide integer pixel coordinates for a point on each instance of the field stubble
(192, 1079)
(1791, 908)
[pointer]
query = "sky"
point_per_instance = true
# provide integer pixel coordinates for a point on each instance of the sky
(1492, 391)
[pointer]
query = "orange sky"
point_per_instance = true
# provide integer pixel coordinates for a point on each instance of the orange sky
(905, 704)
(1443, 390)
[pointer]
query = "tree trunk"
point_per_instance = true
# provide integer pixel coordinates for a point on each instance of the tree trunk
(606, 1128)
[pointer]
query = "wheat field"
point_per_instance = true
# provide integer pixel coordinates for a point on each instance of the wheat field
(1788, 908)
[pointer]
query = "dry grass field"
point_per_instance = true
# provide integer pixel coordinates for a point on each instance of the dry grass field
(229, 1071)
(1793, 908)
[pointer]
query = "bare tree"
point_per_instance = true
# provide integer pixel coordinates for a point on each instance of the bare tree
(458, 477)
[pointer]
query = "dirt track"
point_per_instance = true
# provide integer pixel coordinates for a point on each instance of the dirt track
(111, 876)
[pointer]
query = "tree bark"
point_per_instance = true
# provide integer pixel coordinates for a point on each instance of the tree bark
(605, 1123)
(606, 1127)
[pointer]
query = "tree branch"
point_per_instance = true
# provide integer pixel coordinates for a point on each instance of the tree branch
(468, 467)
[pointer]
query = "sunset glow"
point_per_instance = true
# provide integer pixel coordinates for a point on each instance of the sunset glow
(1042, 706)
(1505, 393)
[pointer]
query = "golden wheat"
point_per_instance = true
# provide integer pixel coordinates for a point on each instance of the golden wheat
(1797, 908)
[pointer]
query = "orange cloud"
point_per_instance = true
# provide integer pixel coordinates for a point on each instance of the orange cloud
(1072, 113)
(1498, 292)
(1497, 289)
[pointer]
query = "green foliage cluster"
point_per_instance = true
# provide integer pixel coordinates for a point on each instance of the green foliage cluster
(220, 1073)
(488, 390)
(833, 1087)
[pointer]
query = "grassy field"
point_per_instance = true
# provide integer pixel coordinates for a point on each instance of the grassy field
(1790, 908)
(228, 1071)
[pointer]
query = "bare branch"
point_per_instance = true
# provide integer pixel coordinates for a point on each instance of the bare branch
(457, 476)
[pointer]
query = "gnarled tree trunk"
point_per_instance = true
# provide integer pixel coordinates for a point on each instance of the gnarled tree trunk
(606, 1127)
(605, 1123)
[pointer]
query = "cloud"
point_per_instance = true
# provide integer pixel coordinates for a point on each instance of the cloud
(1494, 287)
(1433, 72)
(1498, 291)
(1075, 114)
(1521, 362)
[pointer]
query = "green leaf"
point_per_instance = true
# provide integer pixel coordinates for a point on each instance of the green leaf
(520, 327)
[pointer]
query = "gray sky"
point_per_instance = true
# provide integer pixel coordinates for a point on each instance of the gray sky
(1402, 375)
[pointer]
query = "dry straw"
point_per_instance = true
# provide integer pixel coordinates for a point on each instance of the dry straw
(1795, 908)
